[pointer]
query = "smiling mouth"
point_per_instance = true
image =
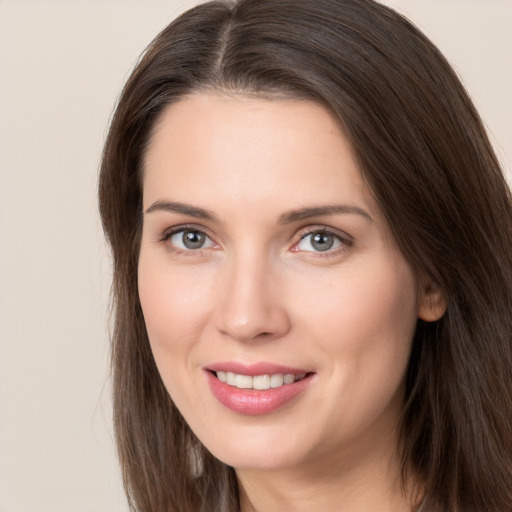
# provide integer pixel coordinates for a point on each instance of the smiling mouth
(259, 388)
(258, 382)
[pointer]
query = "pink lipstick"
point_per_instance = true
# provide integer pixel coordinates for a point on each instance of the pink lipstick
(254, 389)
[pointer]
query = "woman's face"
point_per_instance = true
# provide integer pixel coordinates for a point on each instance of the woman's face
(266, 262)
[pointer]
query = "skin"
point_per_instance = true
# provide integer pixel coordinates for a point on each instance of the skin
(258, 290)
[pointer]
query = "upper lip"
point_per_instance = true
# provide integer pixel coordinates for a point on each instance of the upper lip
(253, 369)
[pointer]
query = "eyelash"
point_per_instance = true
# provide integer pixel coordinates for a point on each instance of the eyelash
(169, 233)
(345, 241)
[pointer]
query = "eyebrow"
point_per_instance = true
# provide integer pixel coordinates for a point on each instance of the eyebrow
(285, 218)
(182, 208)
(322, 211)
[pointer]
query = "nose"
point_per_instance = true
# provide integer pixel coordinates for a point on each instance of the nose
(251, 304)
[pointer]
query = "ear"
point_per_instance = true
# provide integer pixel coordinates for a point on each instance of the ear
(432, 302)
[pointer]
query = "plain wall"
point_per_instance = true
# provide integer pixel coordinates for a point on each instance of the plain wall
(62, 65)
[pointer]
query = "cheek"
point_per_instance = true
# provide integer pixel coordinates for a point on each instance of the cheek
(365, 325)
(175, 308)
(175, 305)
(365, 319)
(385, 306)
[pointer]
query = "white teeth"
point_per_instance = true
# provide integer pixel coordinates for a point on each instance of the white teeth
(260, 382)
(276, 380)
(289, 378)
(243, 381)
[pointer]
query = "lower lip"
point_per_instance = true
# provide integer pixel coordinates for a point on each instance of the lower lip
(252, 401)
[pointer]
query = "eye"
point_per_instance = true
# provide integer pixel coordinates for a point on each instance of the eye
(189, 240)
(319, 241)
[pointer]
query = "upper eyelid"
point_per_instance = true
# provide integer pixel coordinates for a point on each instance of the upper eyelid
(308, 230)
(184, 227)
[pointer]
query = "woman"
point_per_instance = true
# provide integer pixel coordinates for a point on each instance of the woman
(312, 274)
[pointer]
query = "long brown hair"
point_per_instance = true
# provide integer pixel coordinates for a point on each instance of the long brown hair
(424, 154)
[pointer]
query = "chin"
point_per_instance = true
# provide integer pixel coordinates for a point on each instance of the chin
(259, 452)
(252, 460)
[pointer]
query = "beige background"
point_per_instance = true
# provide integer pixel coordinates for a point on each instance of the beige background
(62, 64)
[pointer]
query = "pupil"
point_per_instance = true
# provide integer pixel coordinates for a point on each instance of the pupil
(322, 241)
(193, 239)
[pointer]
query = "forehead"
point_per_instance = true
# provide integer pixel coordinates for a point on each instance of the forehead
(249, 148)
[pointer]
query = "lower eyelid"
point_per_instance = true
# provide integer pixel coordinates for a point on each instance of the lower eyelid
(339, 243)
